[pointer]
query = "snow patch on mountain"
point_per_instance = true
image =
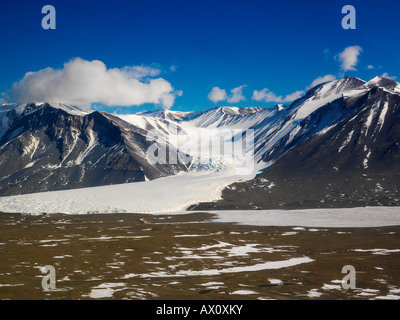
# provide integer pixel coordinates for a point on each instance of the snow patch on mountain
(383, 113)
(31, 148)
(346, 142)
(324, 94)
(92, 141)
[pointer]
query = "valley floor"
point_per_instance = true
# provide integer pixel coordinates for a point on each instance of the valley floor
(198, 256)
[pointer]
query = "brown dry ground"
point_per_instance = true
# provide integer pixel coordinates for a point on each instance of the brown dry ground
(132, 256)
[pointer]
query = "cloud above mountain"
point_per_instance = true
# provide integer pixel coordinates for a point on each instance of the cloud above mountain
(319, 80)
(217, 94)
(266, 95)
(86, 82)
(236, 95)
(349, 58)
(386, 75)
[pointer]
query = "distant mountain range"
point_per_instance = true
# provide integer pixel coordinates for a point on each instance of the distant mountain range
(341, 150)
(336, 146)
(47, 147)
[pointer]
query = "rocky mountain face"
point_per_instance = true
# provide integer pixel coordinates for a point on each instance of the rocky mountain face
(45, 147)
(344, 153)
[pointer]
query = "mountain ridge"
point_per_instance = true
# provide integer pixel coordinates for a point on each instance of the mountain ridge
(339, 130)
(351, 161)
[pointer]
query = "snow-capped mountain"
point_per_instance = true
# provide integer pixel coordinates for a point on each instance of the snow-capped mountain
(228, 117)
(335, 146)
(54, 146)
(342, 152)
(165, 114)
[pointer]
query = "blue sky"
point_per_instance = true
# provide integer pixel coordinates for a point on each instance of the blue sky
(275, 47)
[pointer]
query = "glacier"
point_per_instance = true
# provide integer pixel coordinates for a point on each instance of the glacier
(163, 195)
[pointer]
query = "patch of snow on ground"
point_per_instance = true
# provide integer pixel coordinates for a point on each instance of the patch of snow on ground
(105, 290)
(275, 281)
(383, 252)
(271, 265)
(244, 292)
(289, 233)
(314, 293)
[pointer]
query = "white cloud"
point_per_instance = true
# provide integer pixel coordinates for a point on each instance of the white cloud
(386, 75)
(349, 58)
(268, 96)
(370, 67)
(217, 94)
(85, 82)
(293, 96)
(265, 95)
(319, 80)
(141, 72)
(236, 95)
